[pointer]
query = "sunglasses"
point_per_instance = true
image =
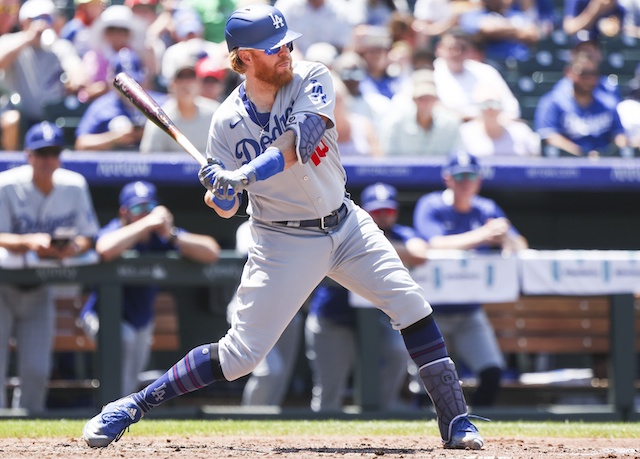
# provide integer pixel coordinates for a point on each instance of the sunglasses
(139, 209)
(464, 176)
(47, 152)
(271, 52)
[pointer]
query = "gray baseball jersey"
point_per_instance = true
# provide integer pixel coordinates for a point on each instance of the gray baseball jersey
(302, 192)
(24, 209)
(291, 261)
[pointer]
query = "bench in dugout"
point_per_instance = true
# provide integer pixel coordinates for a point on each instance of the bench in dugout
(71, 340)
(560, 329)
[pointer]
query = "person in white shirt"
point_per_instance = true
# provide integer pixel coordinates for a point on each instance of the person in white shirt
(322, 20)
(457, 76)
(422, 126)
(494, 134)
(188, 109)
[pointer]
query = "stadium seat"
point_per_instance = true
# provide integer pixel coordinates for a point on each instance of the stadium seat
(66, 114)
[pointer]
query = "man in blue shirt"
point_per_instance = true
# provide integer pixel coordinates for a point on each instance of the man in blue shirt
(111, 122)
(145, 226)
(458, 219)
(583, 120)
(505, 31)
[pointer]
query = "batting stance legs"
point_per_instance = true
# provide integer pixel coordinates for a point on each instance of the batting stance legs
(363, 264)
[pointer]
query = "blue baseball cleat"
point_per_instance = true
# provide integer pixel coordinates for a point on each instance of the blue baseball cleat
(463, 435)
(110, 424)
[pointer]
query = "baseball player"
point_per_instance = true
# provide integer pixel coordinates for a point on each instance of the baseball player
(274, 136)
(459, 219)
(47, 210)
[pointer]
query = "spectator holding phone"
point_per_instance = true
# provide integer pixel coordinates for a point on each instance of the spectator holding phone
(36, 201)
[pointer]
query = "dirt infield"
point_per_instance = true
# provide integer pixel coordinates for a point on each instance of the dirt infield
(318, 447)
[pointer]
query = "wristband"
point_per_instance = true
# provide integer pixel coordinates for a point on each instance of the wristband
(224, 204)
(269, 163)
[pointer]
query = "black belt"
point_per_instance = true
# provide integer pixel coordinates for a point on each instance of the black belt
(328, 221)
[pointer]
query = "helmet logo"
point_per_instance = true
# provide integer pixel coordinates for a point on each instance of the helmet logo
(277, 20)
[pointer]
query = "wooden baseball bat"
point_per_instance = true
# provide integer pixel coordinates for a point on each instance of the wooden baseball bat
(152, 110)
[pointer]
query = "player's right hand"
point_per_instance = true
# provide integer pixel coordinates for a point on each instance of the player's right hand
(208, 172)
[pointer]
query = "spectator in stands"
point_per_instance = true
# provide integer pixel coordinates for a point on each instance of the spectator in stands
(351, 68)
(322, 20)
(356, 133)
(459, 219)
(581, 122)
(493, 133)
(47, 211)
(458, 76)
(188, 30)
(376, 12)
(76, 30)
(631, 19)
(270, 380)
(111, 122)
(34, 61)
(422, 126)
(505, 31)
(9, 114)
(436, 17)
(213, 78)
(373, 43)
(190, 111)
(587, 19)
(331, 325)
(144, 225)
(592, 50)
(9, 15)
(541, 12)
(117, 28)
(629, 112)
(148, 13)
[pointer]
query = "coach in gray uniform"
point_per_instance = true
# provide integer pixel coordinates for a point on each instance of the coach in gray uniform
(38, 200)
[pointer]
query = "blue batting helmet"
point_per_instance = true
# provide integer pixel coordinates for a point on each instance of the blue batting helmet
(259, 27)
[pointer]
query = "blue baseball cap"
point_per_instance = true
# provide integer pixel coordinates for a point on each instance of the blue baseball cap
(379, 196)
(128, 61)
(461, 162)
(42, 135)
(138, 193)
(258, 26)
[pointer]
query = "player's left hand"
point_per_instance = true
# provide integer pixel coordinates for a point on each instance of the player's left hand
(226, 184)
(208, 172)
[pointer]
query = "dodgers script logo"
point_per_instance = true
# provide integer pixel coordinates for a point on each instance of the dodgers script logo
(277, 20)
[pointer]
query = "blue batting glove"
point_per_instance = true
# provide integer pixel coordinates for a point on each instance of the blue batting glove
(208, 171)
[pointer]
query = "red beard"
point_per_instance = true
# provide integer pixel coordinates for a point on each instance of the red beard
(273, 75)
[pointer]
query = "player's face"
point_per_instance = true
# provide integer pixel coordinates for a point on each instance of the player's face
(138, 211)
(186, 85)
(384, 218)
(274, 69)
(464, 185)
(44, 161)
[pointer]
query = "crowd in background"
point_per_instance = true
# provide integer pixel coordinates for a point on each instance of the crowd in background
(420, 78)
